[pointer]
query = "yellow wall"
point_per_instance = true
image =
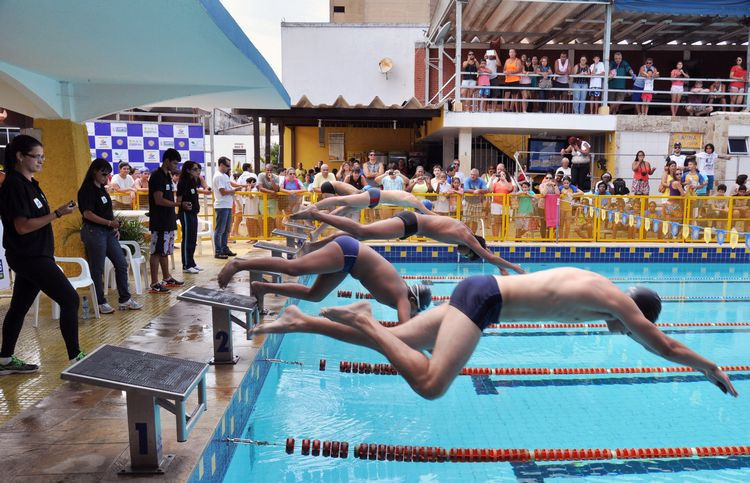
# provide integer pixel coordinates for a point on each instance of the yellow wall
(66, 148)
(508, 143)
(610, 147)
(356, 139)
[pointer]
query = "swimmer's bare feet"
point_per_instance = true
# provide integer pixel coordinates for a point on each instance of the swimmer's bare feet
(306, 214)
(226, 273)
(348, 314)
(503, 272)
(289, 321)
(305, 248)
(257, 290)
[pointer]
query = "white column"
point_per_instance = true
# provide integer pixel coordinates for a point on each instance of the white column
(449, 146)
(606, 41)
(464, 150)
(459, 35)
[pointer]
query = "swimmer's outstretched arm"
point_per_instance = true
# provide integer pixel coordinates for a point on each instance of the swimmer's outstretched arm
(405, 199)
(656, 341)
(496, 260)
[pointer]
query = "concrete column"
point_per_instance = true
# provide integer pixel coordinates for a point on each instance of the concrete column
(66, 147)
(256, 144)
(459, 35)
(606, 41)
(449, 147)
(464, 150)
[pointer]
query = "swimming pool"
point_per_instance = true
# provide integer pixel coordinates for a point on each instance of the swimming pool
(581, 411)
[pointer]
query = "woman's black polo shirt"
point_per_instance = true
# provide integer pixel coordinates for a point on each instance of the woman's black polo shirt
(95, 199)
(20, 197)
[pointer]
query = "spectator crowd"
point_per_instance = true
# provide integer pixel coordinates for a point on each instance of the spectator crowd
(532, 83)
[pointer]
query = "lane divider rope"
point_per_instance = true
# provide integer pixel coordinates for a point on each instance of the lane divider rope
(358, 367)
(615, 279)
(436, 454)
(666, 298)
(563, 325)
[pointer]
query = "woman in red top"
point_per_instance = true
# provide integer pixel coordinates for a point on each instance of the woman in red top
(678, 86)
(737, 86)
(501, 186)
(641, 171)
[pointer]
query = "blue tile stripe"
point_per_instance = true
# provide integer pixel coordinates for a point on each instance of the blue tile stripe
(567, 254)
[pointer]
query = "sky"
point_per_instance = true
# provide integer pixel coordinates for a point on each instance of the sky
(261, 21)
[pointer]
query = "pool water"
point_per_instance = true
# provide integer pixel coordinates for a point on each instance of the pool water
(518, 411)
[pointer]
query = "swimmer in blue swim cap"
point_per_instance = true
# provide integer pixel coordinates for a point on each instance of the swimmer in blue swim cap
(451, 331)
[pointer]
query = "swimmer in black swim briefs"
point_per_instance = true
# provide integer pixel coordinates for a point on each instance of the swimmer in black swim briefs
(407, 223)
(453, 330)
(333, 263)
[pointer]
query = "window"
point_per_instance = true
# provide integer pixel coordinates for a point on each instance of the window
(339, 9)
(738, 145)
(335, 146)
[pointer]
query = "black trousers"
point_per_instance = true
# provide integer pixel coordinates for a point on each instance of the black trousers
(579, 174)
(32, 275)
(189, 222)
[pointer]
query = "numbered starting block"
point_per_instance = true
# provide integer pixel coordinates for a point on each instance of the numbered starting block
(149, 381)
(299, 227)
(222, 305)
(259, 276)
(293, 239)
(277, 250)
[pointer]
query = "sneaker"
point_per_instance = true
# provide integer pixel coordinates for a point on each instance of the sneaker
(17, 366)
(229, 253)
(130, 304)
(221, 256)
(171, 282)
(81, 355)
(200, 269)
(190, 270)
(158, 287)
(105, 308)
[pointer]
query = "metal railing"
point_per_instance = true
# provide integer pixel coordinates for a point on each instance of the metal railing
(566, 95)
(525, 217)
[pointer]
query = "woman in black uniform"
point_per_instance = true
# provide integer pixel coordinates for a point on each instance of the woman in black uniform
(100, 236)
(188, 188)
(30, 251)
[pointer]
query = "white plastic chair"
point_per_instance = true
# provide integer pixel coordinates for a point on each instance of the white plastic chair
(82, 280)
(136, 262)
(205, 228)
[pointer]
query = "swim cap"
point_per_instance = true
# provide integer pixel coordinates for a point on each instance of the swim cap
(366, 187)
(647, 300)
(327, 188)
(427, 204)
(422, 294)
(472, 254)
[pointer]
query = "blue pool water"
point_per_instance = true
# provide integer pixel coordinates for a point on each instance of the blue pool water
(515, 412)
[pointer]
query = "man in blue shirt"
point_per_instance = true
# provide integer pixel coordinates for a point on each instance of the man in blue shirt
(475, 187)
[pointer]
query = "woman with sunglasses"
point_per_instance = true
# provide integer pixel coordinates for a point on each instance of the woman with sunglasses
(30, 252)
(188, 187)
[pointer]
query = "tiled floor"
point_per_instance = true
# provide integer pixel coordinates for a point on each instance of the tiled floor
(56, 431)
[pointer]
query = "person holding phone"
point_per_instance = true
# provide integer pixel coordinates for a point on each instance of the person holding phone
(30, 251)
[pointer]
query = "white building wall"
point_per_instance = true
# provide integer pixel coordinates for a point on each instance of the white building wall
(323, 61)
(654, 144)
(738, 164)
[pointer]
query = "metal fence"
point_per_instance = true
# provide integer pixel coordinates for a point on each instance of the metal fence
(522, 217)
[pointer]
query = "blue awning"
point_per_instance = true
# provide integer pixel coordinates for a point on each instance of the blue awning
(724, 8)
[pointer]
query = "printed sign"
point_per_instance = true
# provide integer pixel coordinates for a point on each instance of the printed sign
(691, 141)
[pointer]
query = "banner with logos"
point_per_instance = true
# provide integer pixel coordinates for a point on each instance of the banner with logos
(142, 144)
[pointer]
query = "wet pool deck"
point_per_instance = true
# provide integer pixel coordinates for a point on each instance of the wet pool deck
(62, 431)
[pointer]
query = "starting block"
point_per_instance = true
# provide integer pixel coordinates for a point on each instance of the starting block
(258, 276)
(277, 250)
(222, 304)
(293, 239)
(301, 227)
(149, 381)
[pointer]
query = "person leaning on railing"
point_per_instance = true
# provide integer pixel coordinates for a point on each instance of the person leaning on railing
(419, 184)
(678, 86)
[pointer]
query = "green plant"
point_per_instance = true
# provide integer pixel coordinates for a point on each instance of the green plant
(132, 230)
